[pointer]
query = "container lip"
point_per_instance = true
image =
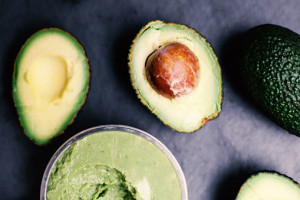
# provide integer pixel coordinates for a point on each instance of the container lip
(123, 128)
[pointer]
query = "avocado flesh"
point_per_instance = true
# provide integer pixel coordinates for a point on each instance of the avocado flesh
(270, 66)
(269, 186)
(186, 113)
(50, 83)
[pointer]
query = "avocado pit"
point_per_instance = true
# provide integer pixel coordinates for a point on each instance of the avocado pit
(173, 70)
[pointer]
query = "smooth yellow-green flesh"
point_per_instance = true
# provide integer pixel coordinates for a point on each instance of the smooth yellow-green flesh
(187, 112)
(133, 161)
(48, 77)
(52, 75)
(269, 186)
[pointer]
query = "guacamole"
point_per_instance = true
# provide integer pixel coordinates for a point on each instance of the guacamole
(113, 165)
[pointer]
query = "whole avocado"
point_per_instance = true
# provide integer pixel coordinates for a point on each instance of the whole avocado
(270, 66)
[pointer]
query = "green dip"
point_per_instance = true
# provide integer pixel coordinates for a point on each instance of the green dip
(113, 165)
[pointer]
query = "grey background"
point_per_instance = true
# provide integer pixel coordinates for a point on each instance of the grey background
(215, 159)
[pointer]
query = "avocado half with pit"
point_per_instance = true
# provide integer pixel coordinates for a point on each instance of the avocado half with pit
(269, 186)
(50, 83)
(176, 74)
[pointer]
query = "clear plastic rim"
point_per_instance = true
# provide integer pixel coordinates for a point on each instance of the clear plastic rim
(84, 133)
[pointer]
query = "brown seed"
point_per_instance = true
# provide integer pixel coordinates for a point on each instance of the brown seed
(173, 70)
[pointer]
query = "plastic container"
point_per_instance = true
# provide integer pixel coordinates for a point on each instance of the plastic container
(122, 128)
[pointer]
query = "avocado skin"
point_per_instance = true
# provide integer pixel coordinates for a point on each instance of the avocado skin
(270, 66)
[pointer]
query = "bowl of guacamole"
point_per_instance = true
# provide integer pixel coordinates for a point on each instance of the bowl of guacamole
(113, 162)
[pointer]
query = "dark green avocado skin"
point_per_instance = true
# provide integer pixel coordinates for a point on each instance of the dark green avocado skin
(269, 61)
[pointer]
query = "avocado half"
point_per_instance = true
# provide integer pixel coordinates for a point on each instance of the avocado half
(189, 112)
(269, 186)
(50, 83)
(269, 60)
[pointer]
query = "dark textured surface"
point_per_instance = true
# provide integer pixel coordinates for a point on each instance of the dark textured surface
(215, 159)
